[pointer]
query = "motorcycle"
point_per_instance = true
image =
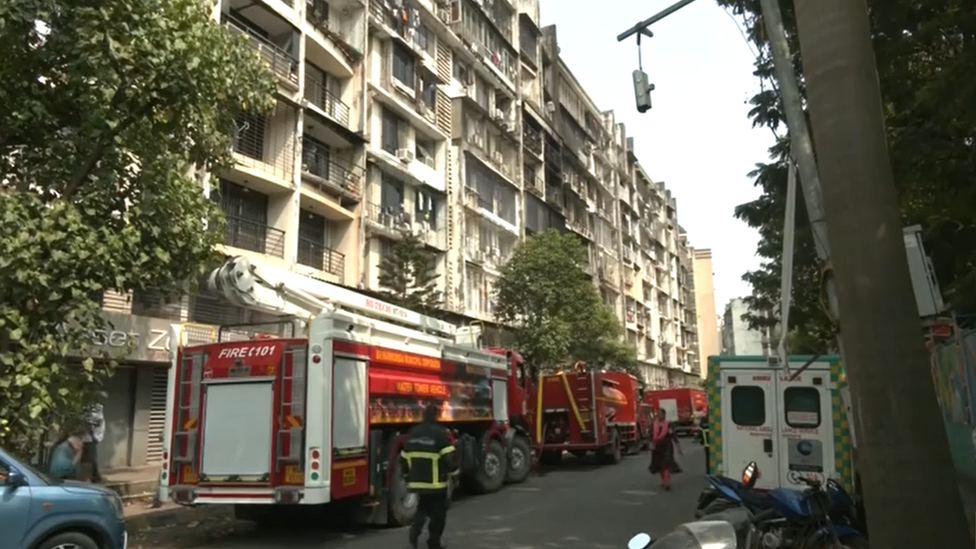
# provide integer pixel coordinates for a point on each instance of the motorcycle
(822, 516)
(693, 535)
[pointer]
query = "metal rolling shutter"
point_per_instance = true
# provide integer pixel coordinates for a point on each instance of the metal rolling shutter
(157, 415)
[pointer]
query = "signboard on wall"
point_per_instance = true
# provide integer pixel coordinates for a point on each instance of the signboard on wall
(147, 337)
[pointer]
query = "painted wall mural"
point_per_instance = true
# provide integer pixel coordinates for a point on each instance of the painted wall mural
(954, 372)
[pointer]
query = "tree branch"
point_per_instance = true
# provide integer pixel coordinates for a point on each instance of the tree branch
(104, 141)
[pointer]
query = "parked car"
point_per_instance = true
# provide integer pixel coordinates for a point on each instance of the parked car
(39, 512)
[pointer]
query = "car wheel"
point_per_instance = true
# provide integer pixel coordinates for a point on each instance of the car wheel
(69, 540)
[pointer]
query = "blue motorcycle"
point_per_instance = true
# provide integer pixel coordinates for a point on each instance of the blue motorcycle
(821, 517)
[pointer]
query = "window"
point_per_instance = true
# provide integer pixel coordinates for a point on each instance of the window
(391, 194)
(422, 38)
(404, 68)
(429, 94)
(391, 131)
(748, 406)
(802, 407)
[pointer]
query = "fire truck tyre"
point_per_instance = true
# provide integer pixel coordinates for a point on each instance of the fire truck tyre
(72, 540)
(520, 461)
(491, 475)
(612, 453)
(402, 502)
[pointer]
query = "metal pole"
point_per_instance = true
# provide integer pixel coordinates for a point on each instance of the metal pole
(901, 435)
(801, 145)
(642, 26)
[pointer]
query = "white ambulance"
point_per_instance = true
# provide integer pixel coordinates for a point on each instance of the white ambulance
(793, 422)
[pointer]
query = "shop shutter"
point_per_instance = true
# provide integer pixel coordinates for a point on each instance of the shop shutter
(157, 415)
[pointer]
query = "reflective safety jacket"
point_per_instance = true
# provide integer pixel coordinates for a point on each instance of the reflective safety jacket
(428, 457)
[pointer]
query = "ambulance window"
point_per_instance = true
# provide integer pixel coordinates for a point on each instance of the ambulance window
(802, 407)
(748, 405)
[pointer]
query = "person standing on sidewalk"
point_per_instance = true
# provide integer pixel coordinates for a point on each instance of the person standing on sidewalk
(94, 417)
(429, 460)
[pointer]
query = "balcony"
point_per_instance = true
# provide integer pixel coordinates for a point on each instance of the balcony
(388, 220)
(279, 61)
(264, 145)
(320, 257)
(533, 183)
(325, 100)
(320, 169)
(347, 38)
(532, 139)
(431, 235)
(253, 236)
(554, 197)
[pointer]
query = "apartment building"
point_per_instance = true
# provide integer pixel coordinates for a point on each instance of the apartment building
(455, 119)
(738, 338)
(709, 343)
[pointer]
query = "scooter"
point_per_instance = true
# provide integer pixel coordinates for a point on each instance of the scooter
(822, 516)
(715, 534)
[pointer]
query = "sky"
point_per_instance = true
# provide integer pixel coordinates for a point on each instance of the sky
(697, 138)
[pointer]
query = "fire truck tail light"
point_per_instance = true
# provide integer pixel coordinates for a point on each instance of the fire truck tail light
(314, 465)
(316, 359)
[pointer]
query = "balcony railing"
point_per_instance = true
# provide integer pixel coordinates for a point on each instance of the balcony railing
(263, 145)
(319, 256)
(391, 217)
(533, 183)
(317, 94)
(532, 138)
(317, 162)
(256, 237)
(280, 62)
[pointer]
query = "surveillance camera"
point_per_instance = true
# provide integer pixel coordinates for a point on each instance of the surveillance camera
(642, 91)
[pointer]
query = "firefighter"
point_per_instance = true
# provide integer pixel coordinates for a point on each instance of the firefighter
(429, 460)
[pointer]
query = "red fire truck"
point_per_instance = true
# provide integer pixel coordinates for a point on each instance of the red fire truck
(682, 405)
(628, 417)
(317, 415)
(578, 411)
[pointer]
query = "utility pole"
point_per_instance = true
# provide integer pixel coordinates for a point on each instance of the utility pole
(909, 483)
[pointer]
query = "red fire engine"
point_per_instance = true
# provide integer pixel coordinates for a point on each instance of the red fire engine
(318, 415)
(579, 414)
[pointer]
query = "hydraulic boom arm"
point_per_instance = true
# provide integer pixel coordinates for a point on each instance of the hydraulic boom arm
(279, 291)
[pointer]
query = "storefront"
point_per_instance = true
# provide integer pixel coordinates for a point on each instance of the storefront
(135, 402)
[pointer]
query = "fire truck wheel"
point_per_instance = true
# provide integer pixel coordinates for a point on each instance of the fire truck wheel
(402, 502)
(520, 461)
(491, 475)
(612, 453)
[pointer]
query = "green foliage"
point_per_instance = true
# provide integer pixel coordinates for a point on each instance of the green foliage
(108, 108)
(555, 311)
(926, 56)
(408, 275)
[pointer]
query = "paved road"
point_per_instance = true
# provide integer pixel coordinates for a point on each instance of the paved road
(574, 506)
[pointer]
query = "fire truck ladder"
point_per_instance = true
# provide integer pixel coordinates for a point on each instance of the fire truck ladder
(187, 410)
(278, 291)
(291, 409)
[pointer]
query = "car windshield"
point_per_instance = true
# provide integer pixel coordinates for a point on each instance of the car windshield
(25, 467)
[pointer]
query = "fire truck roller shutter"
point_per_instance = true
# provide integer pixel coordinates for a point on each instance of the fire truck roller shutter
(234, 443)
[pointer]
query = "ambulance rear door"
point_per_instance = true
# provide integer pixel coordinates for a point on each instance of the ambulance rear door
(805, 425)
(748, 421)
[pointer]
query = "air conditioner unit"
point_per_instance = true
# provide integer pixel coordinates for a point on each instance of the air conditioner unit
(405, 155)
(551, 107)
(474, 49)
(510, 127)
(497, 157)
(429, 162)
(479, 256)
(498, 114)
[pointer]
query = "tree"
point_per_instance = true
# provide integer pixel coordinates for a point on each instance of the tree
(555, 311)
(408, 274)
(884, 352)
(109, 106)
(924, 51)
